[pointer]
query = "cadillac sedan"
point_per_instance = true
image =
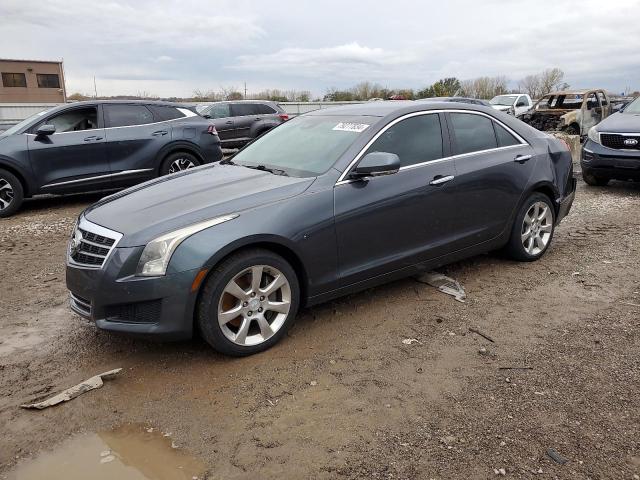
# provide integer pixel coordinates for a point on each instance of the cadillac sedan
(329, 203)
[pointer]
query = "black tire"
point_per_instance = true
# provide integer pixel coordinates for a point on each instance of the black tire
(213, 290)
(515, 248)
(593, 180)
(185, 158)
(11, 194)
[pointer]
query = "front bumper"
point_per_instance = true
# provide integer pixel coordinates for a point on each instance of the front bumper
(609, 162)
(158, 307)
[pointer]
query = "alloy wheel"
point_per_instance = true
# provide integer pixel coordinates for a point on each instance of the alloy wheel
(6, 194)
(180, 164)
(254, 305)
(537, 228)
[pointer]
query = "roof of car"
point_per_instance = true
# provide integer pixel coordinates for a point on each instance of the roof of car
(241, 101)
(381, 109)
(129, 102)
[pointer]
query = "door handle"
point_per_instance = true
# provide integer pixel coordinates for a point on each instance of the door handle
(92, 138)
(230, 122)
(522, 159)
(159, 133)
(440, 179)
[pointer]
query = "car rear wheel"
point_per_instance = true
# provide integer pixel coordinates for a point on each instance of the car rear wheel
(11, 193)
(533, 229)
(591, 179)
(248, 303)
(176, 162)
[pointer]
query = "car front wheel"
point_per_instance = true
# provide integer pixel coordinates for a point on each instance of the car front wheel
(533, 229)
(11, 194)
(248, 303)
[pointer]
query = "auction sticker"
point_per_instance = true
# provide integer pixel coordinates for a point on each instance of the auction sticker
(351, 127)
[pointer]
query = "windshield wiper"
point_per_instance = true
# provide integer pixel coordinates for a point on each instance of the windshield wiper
(275, 171)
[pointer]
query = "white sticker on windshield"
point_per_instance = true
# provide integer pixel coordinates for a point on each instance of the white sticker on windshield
(351, 127)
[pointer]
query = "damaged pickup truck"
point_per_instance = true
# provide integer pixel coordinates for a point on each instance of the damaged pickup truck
(572, 111)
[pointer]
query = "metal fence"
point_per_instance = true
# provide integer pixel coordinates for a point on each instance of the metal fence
(12, 113)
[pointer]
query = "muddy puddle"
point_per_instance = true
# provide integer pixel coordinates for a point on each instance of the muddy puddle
(131, 452)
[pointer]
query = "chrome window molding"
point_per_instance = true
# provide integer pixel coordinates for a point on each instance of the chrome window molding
(112, 128)
(108, 175)
(342, 179)
(88, 226)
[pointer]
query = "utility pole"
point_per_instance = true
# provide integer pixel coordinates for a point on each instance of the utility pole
(95, 89)
(245, 90)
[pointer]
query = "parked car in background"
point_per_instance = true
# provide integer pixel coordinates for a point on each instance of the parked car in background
(472, 101)
(612, 149)
(239, 122)
(572, 111)
(100, 145)
(514, 104)
(332, 202)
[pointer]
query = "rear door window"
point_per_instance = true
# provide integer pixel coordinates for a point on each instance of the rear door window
(473, 133)
(127, 115)
(244, 109)
(265, 109)
(165, 112)
(415, 140)
(505, 139)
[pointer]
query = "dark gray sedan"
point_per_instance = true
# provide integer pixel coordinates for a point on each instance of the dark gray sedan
(329, 203)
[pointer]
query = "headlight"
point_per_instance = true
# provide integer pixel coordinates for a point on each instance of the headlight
(594, 135)
(156, 255)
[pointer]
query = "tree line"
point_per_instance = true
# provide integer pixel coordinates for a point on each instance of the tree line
(536, 85)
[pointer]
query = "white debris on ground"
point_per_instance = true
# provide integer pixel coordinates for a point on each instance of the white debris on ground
(70, 393)
(444, 284)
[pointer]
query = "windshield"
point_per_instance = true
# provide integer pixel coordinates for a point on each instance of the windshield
(16, 128)
(507, 100)
(306, 146)
(633, 107)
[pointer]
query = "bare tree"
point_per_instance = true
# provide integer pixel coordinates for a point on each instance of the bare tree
(550, 80)
(542, 83)
(484, 87)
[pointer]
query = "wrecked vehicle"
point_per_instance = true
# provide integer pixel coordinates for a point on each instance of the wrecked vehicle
(571, 111)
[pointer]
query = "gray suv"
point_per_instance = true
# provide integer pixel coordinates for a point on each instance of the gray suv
(239, 122)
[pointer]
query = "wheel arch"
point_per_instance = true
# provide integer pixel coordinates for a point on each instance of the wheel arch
(19, 174)
(177, 147)
(272, 243)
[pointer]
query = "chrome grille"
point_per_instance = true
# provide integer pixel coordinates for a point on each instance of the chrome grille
(91, 244)
(616, 140)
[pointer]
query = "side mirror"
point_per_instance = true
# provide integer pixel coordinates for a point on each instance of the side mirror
(46, 130)
(521, 103)
(375, 164)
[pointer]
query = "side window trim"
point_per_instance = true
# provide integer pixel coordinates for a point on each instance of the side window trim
(342, 179)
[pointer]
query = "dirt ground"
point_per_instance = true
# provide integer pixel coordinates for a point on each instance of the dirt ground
(343, 396)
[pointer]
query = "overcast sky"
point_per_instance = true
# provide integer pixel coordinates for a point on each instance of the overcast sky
(171, 48)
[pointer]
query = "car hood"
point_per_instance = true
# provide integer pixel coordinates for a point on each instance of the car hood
(148, 210)
(621, 122)
(502, 108)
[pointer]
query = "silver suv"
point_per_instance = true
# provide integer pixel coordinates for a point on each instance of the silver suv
(239, 122)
